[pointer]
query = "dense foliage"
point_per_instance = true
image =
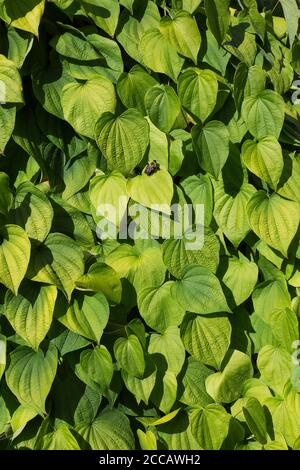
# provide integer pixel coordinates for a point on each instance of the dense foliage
(128, 343)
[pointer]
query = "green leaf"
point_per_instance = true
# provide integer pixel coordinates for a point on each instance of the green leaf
(285, 412)
(20, 44)
(28, 136)
(109, 431)
(248, 81)
(132, 29)
(198, 189)
(87, 406)
(158, 421)
(83, 104)
(226, 386)
(75, 46)
(159, 144)
(274, 219)
(58, 261)
(284, 326)
(197, 91)
(133, 86)
(61, 438)
(271, 294)
(264, 114)
(14, 256)
(165, 400)
(78, 173)
(21, 417)
(63, 137)
(158, 55)
(240, 277)
(11, 90)
(264, 159)
(129, 4)
(95, 368)
(291, 13)
(6, 196)
(147, 440)
(7, 124)
(68, 341)
(87, 315)
(30, 375)
(162, 106)
(158, 307)
(30, 312)
(256, 419)
(123, 140)
(152, 190)
(81, 201)
(142, 268)
(274, 364)
(257, 21)
(207, 338)
(170, 346)
(32, 211)
(231, 211)
(257, 389)
(102, 278)
(130, 356)
(290, 186)
(176, 156)
(296, 444)
(70, 221)
(193, 381)
(179, 253)
(218, 16)
(190, 5)
(211, 144)
(210, 426)
(241, 44)
(25, 16)
(200, 291)
(105, 13)
(141, 388)
(48, 86)
(215, 56)
(174, 437)
(183, 34)
(108, 194)
(110, 51)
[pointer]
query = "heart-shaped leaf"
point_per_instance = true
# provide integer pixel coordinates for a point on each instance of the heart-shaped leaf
(123, 139)
(14, 256)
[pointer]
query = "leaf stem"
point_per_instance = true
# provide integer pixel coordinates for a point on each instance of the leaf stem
(241, 5)
(276, 5)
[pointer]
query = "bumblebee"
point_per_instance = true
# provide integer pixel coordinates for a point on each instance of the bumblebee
(152, 167)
